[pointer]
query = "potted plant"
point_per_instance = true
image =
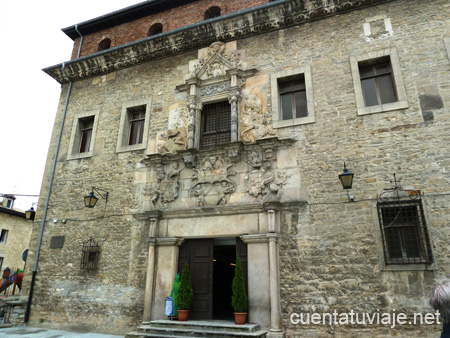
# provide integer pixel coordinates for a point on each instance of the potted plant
(239, 300)
(185, 294)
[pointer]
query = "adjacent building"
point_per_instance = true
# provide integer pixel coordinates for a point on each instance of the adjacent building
(208, 129)
(15, 234)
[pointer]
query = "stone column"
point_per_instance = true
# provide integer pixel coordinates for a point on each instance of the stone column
(149, 280)
(275, 319)
(233, 98)
(166, 266)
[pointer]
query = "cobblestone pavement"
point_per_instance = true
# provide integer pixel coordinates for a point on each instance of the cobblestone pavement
(34, 332)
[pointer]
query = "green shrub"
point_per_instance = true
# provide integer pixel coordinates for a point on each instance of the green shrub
(239, 300)
(185, 293)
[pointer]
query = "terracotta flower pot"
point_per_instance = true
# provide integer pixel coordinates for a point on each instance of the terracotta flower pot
(239, 318)
(183, 315)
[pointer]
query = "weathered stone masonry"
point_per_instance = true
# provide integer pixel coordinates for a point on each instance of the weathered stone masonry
(330, 250)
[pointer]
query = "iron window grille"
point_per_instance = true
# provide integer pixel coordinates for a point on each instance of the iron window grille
(293, 97)
(90, 255)
(377, 82)
(404, 232)
(216, 125)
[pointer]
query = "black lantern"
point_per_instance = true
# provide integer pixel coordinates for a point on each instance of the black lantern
(29, 214)
(90, 200)
(346, 178)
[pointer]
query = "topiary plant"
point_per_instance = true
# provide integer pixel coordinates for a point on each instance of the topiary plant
(185, 292)
(239, 300)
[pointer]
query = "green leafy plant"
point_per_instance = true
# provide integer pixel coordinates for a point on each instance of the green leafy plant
(239, 300)
(185, 292)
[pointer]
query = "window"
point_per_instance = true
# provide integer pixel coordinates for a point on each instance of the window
(9, 203)
(404, 232)
(83, 135)
(137, 119)
(215, 125)
(292, 97)
(90, 255)
(134, 124)
(157, 28)
(104, 44)
(212, 12)
(86, 126)
(3, 236)
(378, 82)
(1, 263)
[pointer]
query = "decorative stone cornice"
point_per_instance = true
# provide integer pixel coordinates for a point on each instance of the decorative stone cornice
(245, 23)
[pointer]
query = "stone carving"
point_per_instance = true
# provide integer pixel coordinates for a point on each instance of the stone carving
(212, 179)
(254, 123)
(165, 189)
(179, 118)
(169, 141)
(214, 89)
(215, 69)
(264, 181)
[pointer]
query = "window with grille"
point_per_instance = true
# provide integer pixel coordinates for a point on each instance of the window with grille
(377, 82)
(293, 97)
(86, 126)
(404, 232)
(137, 121)
(90, 255)
(216, 125)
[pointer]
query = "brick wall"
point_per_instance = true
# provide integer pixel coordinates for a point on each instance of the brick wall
(170, 19)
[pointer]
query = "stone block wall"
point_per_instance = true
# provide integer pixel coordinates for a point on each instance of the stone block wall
(331, 254)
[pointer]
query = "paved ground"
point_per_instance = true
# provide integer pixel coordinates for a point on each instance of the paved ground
(34, 332)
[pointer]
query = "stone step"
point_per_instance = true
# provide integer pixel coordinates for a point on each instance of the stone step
(205, 329)
(210, 325)
(196, 334)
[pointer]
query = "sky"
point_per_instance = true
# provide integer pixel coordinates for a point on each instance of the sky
(31, 39)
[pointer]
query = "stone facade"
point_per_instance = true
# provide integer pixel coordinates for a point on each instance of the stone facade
(275, 185)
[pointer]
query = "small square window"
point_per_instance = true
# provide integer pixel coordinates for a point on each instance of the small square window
(83, 135)
(134, 126)
(378, 82)
(90, 255)
(404, 233)
(3, 236)
(292, 97)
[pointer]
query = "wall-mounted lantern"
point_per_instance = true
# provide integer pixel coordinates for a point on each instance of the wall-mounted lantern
(90, 200)
(346, 178)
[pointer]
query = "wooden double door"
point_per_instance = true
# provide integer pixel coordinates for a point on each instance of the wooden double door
(212, 263)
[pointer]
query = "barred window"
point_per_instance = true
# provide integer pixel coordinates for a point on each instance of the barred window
(90, 255)
(404, 232)
(216, 125)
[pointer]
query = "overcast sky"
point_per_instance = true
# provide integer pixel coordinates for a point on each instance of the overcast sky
(31, 39)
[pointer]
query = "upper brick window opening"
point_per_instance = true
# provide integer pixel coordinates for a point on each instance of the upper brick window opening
(377, 82)
(212, 12)
(293, 97)
(216, 125)
(104, 44)
(157, 28)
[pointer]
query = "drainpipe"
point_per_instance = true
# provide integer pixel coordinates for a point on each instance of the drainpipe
(81, 42)
(44, 216)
